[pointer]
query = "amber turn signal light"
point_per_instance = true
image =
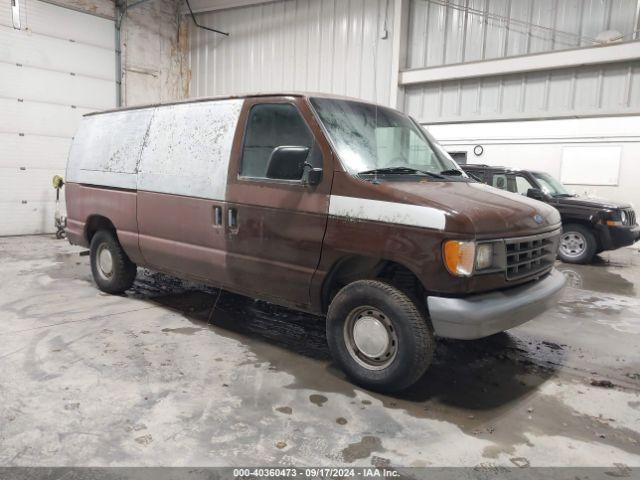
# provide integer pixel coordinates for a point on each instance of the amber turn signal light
(459, 257)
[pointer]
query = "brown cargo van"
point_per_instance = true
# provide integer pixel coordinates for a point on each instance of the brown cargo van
(323, 204)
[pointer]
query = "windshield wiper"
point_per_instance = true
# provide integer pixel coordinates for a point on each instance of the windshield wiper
(408, 170)
(452, 171)
(563, 195)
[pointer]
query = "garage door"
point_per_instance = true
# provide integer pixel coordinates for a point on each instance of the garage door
(56, 64)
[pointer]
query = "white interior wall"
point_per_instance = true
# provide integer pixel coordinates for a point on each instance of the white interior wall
(538, 145)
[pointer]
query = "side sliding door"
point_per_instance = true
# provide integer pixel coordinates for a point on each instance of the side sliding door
(182, 181)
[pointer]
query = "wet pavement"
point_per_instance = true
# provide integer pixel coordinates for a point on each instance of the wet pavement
(160, 377)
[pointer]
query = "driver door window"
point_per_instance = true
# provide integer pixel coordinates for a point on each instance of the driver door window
(271, 126)
(511, 183)
(522, 185)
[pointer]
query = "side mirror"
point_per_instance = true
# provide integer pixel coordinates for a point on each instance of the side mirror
(537, 194)
(287, 163)
(313, 176)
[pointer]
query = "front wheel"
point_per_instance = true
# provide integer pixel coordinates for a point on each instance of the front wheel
(378, 336)
(112, 269)
(577, 244)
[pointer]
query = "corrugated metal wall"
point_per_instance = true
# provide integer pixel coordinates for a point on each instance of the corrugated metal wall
(581, 91)
(459, 31)
(331, 46)
(456, 31)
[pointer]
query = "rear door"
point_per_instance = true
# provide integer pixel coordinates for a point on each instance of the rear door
(275, 226)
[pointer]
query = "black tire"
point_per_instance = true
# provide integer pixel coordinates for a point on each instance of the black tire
(413, 350)
(584, 237)
(123, 271)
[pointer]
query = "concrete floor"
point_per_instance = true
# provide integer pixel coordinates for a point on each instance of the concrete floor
(153, 378)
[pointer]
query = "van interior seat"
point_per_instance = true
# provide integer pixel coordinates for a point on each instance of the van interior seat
(255, 161)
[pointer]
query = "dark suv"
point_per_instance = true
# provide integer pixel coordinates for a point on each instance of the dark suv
(589, 225)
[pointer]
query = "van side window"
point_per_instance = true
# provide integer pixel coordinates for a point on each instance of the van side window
(271, 126)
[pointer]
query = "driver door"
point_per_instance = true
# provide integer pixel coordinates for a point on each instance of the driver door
(275, 226)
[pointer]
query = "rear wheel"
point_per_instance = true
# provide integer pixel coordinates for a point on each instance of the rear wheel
(577, 244)
(378, 336)
(112, 270)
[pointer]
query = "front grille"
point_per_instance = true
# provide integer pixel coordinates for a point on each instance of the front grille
(530, 256)
(631, 217)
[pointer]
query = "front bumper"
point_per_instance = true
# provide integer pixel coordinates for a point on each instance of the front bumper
(482, 315)
(611, 238)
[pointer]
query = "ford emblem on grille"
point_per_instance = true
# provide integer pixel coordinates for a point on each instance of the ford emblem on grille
(538, 218)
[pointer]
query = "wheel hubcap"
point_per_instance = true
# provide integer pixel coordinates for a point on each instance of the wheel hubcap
(370, 338)
(573, 244)
(105, 261)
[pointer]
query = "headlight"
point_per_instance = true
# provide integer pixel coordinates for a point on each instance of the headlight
(484, 256)
(464, 258)
(617, 219)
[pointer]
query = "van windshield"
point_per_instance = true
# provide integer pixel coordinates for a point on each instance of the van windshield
(370, 139)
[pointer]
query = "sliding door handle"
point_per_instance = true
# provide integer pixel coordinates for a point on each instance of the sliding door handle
(232, 220)
(217, 216)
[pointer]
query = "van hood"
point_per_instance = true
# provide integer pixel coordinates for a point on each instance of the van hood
(476, 208)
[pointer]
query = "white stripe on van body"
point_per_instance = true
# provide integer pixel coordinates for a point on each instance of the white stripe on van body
(387, 212)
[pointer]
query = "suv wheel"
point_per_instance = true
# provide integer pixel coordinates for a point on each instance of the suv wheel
(378, 336)
(577, 244)
(112, 270)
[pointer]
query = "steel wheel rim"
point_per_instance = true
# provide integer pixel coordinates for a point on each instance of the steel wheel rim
(370, 338)
(104, 261)
(573, 244)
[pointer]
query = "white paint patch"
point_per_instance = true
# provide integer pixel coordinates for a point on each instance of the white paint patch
(106, 148)
(179, 149)
(387, 212)
(188, 148)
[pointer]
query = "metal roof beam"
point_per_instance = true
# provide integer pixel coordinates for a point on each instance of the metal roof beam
(619, 52)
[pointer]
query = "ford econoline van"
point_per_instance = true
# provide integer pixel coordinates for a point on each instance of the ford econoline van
(328, 205)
